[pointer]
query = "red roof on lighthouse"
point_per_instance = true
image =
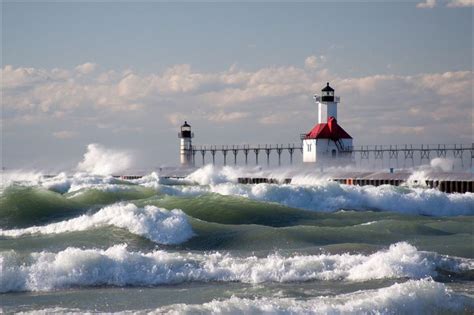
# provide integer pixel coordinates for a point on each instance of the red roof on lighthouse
(330, 130)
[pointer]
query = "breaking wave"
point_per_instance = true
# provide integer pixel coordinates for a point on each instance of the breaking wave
(331, 196)
(310, 192)
(62, 182)
(116, 266)
(159, 225)
(104, 161)
(412, 297)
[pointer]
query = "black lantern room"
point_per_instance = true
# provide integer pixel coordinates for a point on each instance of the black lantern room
(327, 94)
(185, 131)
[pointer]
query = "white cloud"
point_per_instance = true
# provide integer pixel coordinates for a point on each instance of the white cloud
(448, 85)
(266, 83)
(176, 118)
(221, 117)
(273, 95)
(17, 77)
(453, 84)
(311, 62)
(365, 85)
(64, 134)
(132, 86)
(460, 3)
(273, 119)
(428, 4)
(86, 68)
(404, 130)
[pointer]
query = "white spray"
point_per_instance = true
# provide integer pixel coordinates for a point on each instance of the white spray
(104, 161)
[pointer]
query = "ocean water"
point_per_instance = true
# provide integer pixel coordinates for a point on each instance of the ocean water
(84, 243)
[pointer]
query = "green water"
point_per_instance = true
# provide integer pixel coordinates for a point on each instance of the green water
(229, 224)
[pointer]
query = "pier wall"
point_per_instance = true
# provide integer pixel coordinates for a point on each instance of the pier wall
(445, 182)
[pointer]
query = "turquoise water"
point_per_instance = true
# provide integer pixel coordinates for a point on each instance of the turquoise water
(87, 243)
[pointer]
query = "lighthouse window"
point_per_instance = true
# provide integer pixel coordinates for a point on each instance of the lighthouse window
(309, 147)
(328, 93)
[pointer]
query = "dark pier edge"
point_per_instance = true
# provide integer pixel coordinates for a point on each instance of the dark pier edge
(444, 185)
(447, 186)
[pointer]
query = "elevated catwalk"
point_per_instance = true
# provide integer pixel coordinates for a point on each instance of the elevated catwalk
(405, 155)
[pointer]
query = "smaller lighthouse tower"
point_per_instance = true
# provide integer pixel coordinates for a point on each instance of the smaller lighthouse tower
(185, 147)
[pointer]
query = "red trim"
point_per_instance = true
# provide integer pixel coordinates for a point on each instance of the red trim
(329, 130)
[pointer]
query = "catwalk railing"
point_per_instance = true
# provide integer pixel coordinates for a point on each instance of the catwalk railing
(246, 149)
(408, 152)
(412, 152)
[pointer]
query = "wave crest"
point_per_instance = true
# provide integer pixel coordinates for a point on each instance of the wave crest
(412, 297)
(104, 161)
(159, 225)
(332, 196)
(118, 267)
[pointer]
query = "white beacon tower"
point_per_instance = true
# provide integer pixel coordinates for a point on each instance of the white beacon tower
(185, 147)
(327, 104)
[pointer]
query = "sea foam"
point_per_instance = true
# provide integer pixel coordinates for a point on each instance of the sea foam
(105, 161)
(332, 196)
(412, 297)
(116, 266)
(312, 190)
(159, 225)
(77, 182)
(22, 177)
(423, 296)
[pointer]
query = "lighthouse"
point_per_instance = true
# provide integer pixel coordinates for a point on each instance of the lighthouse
(185, 147)
(327, 142)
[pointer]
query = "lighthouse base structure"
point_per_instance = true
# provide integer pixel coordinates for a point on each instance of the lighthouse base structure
(327, 143)
(327, 151)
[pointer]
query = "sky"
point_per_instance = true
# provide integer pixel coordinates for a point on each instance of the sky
(126, 75)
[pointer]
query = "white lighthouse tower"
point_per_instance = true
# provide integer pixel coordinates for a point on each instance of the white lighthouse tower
(185, 147)
(327, 104)
(327, 142)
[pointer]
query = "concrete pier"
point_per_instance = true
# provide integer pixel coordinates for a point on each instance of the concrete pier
(448, 182)
(445, 182)
(260, 180)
